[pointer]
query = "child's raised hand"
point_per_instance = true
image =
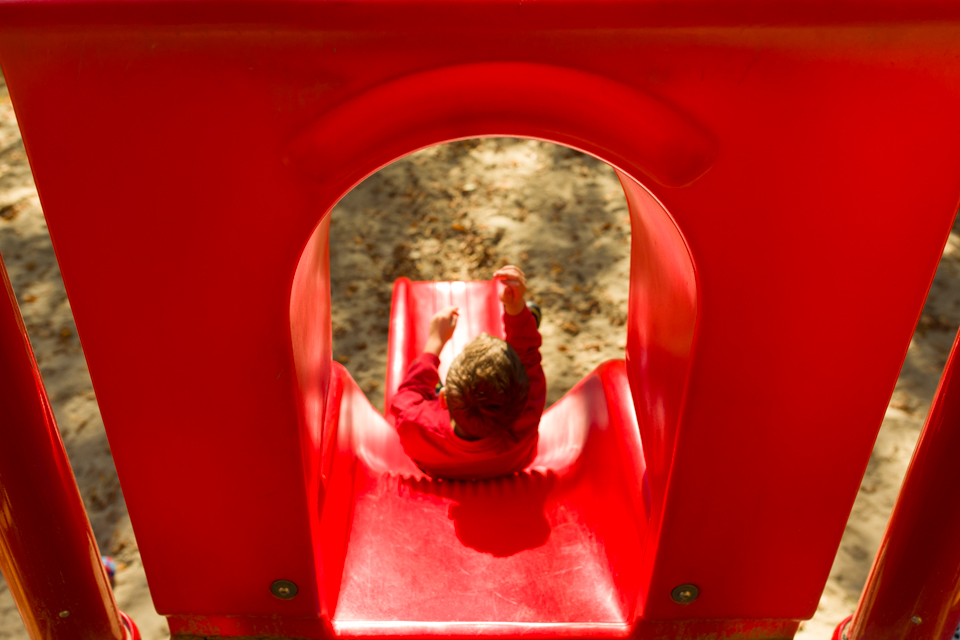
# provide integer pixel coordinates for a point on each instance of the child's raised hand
(442, 325)
(444, 322)
(515, 289)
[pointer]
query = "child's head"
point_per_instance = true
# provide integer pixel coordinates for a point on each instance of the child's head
(487, 387)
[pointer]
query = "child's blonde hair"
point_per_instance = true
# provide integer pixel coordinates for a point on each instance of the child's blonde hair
(487, 387)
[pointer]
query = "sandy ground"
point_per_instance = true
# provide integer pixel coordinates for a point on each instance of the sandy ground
(459, 211)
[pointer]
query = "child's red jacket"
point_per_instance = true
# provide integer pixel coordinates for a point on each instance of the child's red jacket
(424, 425)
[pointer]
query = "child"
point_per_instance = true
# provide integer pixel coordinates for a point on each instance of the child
(484, 422)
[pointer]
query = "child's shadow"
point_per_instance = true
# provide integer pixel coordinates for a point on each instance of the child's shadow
(502, 516)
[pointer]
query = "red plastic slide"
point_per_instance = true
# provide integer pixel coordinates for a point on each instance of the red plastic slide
(544, 552)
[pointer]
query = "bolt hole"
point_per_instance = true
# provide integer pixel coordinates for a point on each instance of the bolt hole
(283, 589)
(685, 593)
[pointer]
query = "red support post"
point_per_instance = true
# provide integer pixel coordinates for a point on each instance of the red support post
(913, 591)
(48, 554)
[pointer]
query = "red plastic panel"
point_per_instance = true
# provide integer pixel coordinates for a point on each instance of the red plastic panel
(310, 338)
(798, 163)
(663, 312)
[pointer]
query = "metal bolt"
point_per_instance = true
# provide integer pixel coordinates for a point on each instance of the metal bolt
(64, 614)
(685, 593)
(283, 589)
(916, 619)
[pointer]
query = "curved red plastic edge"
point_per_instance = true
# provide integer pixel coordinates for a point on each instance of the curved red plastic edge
(48, 553)
(913, 590)
(468, 101)
(840, 632)
(130, 627)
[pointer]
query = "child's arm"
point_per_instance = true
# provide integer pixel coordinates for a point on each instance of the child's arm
(442, 325)
(421, 379)
(516, 288)
(521, 332)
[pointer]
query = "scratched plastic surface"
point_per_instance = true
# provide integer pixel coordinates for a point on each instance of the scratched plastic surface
(538, 547)
(798, 163)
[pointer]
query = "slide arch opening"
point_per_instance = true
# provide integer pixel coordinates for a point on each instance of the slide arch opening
(582, 277)
(457, 212)
(635, 132)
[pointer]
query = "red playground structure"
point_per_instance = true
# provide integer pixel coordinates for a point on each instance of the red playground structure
(792, 170)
